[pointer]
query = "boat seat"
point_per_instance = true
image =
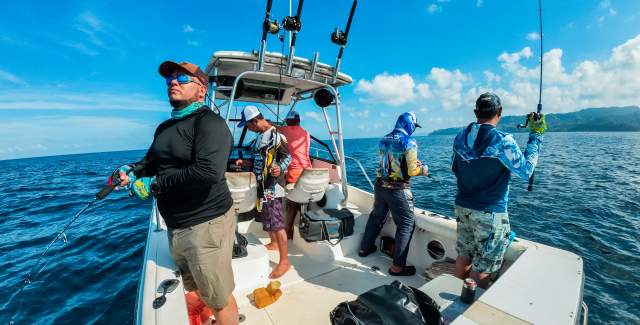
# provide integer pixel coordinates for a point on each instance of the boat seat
(244, 190)
(310, 186)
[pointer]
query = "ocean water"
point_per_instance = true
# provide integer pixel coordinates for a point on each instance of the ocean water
(586, 200)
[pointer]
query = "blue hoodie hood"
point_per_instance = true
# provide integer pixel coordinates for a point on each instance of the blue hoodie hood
(407, 123)
(477, 141)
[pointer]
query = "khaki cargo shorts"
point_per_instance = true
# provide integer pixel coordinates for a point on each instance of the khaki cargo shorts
(483, 237)
(203, 256)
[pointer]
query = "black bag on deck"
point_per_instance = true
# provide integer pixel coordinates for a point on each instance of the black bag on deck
(390, 304)
(240, 246)
(329, 224)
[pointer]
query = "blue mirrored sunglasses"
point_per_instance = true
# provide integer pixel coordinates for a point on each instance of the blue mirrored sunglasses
(181, 79)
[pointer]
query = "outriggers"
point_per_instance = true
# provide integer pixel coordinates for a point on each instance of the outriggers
(537, 283)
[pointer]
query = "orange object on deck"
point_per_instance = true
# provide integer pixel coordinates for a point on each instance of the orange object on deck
(199, 312)
(264, 297)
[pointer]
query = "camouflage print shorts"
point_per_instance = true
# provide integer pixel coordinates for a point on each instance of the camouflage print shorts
(483, 237)
(272, 215)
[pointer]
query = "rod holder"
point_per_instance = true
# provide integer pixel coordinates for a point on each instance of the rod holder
(314, 64)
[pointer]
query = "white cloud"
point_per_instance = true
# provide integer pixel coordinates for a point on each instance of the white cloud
(314, 115)
(393, 90)
(533, 36)
(604, 4)
(91, 26)
(7, 76)
(612, 12)
(187, 29)
(193, 43)
(359, 114)
(82, 48)
(423, 109)
(611, 82)
(97, 35)
(434, 8)
(448, 86)
(491, 77)
(479, 3)
(15, 42)
(424, 90)
(614, 81)
(511, 62)
(52, 135)
(58, 99)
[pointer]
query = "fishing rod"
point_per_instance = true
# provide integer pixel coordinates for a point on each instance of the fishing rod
(268, 27)
(339, 38)
(536, 116)
(114, 181)
(293, 24)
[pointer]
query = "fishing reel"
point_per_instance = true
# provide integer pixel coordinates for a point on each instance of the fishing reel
(338, 37)
(292, 24)
(536, 117)
(523, 126)
(271, 26)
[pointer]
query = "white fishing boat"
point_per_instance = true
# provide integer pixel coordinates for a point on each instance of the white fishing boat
(537, 284)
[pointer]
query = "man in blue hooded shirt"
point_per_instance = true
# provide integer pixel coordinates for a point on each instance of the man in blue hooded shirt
(483, 160)
(398, 154)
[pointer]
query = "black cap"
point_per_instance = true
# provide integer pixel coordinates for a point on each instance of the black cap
(488, 103)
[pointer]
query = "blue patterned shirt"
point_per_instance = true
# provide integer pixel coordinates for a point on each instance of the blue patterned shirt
(483, 160)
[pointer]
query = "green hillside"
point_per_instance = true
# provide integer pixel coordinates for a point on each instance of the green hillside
(604, 119)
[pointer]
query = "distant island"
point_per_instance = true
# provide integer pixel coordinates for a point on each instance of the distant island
(603, 119)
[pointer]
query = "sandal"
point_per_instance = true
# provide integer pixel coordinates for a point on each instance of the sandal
(365, 253)
(406, 271)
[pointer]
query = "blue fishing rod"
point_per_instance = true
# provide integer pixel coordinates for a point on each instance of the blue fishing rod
(536, 116)
(114, 181)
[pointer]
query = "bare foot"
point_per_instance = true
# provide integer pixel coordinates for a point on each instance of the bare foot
(280, 270)
(271, 246)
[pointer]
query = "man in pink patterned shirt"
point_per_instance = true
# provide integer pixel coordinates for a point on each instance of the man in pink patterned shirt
(299, 141)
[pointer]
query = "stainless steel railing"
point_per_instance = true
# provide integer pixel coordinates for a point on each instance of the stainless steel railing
(353, 159)
(585, 314)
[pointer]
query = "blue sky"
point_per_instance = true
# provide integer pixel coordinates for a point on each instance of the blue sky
(81, 76)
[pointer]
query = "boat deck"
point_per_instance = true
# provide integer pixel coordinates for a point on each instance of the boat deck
(538, 284)
(311, 289)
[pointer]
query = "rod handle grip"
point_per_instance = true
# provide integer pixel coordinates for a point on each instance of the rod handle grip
(106, 190)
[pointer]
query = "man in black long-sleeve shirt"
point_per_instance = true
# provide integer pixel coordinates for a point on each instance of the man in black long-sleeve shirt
(185, 169)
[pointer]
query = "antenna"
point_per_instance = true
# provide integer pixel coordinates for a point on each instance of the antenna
(339, 37)
(268, 26)
(293, 24)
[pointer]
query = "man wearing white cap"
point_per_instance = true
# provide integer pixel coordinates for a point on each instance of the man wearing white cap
(299, 141)
(270, 159)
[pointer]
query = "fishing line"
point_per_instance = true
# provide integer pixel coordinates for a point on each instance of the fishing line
(38, 266)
